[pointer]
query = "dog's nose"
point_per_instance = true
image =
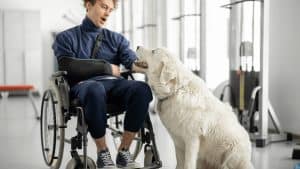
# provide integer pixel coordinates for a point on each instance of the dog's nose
(137, 47)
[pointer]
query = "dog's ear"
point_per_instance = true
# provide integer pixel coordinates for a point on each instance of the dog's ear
(168, 72)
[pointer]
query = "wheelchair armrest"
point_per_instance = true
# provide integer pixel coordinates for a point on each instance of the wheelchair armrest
(60, 81)
(59, 73)
(124, 74)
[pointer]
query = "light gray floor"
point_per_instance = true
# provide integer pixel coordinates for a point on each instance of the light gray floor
(20, 146)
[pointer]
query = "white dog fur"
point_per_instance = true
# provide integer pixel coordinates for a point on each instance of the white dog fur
(205, 131)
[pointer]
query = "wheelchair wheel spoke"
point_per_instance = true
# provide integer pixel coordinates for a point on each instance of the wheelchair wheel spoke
(51, 127)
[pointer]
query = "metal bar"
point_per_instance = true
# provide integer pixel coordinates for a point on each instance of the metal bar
(186, 15)
(241, 35)
(181, 32)
(164, 23)
(274, 118)
(69, 19)
(33, 105)
(131, 32)
(264, 67)
(203, 39)
(253, 28)
(152, 137)
(229, 6)
(123, 16)
(146, 25)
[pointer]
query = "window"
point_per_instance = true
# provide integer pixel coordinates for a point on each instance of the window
(127, 28)
(115, 21)
(173, 26)
(139, 24)
(246, 18)
(191, 40)
(184, 31)
(250, 32)
(217, 32)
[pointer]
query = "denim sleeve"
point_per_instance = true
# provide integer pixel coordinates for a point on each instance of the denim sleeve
(126, 55)
(62, 46)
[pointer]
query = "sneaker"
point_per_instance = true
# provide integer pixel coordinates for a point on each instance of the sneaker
(125, 160)
(104, 160)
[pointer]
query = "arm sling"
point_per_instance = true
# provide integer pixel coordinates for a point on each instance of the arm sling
(82, 69)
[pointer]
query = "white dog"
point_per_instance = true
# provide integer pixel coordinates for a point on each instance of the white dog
(205, 131)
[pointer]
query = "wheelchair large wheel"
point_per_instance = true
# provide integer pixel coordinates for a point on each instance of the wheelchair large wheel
(116, 126)
(73, 165)
(52, 128)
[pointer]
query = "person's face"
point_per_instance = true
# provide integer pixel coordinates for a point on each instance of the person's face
(100, 11)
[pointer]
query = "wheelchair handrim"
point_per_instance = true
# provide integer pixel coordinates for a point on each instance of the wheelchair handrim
(46, 96)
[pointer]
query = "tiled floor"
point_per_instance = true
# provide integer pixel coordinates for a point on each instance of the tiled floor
(20, 146)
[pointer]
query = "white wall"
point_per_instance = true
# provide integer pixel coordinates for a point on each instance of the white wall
(284, 74)
(217, 62)
(51, 20)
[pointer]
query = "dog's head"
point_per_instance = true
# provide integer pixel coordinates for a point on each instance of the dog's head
(162, 71)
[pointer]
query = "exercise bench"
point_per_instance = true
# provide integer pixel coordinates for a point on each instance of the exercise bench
(28, 89)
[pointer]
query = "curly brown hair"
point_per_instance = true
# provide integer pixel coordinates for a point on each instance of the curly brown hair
(94, 1)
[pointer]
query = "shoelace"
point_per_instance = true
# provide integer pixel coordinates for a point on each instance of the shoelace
(127, 156)
(106, 158)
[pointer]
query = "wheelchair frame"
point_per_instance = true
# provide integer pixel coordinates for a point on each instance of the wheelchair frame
(54, 122)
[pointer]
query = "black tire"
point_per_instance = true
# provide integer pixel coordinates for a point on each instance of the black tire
(52, 128)
(73, 165)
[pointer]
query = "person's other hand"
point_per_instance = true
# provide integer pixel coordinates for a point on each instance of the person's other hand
(141, 64)
(139, 67)
(115, 70)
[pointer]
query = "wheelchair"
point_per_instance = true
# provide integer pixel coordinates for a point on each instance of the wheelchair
(57, 108)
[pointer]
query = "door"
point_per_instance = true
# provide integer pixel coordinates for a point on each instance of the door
(14, 47)
(2, 68)
(32, 49)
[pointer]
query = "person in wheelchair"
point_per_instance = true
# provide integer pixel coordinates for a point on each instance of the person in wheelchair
(91, 55)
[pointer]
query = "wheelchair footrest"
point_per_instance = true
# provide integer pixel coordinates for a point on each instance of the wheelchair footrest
(149, 167)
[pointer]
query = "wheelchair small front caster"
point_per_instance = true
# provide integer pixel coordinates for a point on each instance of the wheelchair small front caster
(72, 164)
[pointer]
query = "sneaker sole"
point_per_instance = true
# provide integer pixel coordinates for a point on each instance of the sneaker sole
(112, 167)
(131, 166)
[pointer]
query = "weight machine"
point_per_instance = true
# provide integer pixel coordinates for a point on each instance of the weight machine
(248, 84)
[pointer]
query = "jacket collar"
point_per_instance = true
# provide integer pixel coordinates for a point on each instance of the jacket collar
(89, 26)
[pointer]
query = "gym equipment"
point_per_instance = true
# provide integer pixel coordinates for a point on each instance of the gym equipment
(249, 86)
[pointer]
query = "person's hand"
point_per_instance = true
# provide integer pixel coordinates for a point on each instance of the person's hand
(141, 64)
(115, 70)
(139, 67)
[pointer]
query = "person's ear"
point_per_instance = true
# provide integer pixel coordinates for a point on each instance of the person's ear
(88, 6)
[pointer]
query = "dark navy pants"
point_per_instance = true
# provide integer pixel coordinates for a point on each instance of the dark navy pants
(132, 96)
